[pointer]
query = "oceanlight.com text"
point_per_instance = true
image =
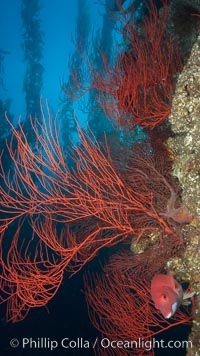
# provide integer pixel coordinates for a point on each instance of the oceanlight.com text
(146, 344)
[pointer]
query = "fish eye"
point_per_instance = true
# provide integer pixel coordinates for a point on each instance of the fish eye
(164, 296)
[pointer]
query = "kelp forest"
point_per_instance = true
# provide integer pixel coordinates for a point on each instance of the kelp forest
(111, 203)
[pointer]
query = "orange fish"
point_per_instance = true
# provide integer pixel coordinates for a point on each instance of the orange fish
(166, 293)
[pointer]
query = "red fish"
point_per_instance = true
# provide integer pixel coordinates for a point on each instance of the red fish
(166, 293)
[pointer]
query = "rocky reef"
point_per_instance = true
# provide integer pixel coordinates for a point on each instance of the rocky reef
(185, 149)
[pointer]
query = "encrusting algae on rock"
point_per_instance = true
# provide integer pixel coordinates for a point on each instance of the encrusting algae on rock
(185, 145)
